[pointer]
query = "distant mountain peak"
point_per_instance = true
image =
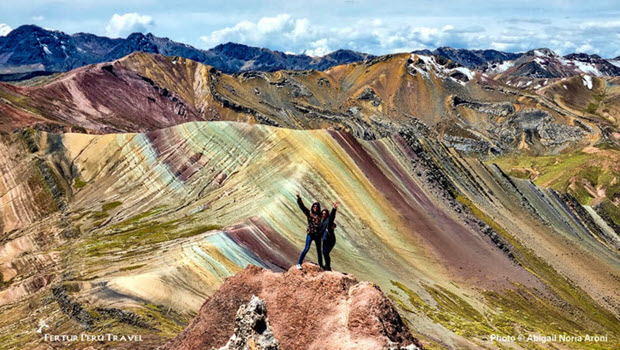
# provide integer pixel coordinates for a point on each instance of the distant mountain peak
(231, 44)
(136, 36)
(545, 63)
(28, 27)
(239, 51)
(470, 58)
(35, 29)
(542, 52)
(583, 57)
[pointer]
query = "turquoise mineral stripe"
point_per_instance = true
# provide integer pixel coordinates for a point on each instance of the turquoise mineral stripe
(234, 252)
(152, 163)
(211, 265)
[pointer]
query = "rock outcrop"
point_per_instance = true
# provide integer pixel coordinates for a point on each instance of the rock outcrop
(252, 329)
(303, 309)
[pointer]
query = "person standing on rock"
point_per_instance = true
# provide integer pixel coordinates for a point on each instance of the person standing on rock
(328, 236)
(312, 232)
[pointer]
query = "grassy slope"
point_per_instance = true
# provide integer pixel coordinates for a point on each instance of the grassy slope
(592, 177)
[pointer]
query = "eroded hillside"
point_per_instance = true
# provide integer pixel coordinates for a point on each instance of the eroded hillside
(471, 110)
(131, 232)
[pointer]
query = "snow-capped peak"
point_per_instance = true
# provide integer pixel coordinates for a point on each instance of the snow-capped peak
(544, 63)
(543, 52)
(444, 68)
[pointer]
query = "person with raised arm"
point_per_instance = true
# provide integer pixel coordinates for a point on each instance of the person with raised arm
(328, 236)
(313, 217)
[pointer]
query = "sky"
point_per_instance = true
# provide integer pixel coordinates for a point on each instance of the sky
(317, 27)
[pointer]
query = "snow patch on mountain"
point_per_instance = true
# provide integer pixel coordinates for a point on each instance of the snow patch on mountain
(468, 72)
(587, 81)
(540, 61)
(587, 68)
(502, 67)
(46, 49)
(424, 64)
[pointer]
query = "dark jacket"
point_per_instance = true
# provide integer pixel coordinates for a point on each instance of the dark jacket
(326, 229)
(314, 220)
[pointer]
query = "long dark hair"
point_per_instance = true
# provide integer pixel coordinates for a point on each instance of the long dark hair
(318, 208)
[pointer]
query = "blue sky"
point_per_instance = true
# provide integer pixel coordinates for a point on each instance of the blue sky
(316, 27)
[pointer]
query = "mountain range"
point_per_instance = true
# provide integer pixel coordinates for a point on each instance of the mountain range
(470, 58)
(29, 51)
(31, 48)
(544, 63)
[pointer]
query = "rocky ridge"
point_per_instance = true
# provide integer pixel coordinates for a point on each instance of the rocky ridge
(307, 309)
(544, 63)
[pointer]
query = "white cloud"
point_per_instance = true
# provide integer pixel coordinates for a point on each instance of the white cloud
(38, 18)
(263, 32)
(287, 33)
(614, 25)
(499, 46)
(123, 25)
(274, 24)
(319, 48)
(4, 29)
(587, 48)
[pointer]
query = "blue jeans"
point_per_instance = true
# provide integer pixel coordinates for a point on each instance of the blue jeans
(317, 242)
